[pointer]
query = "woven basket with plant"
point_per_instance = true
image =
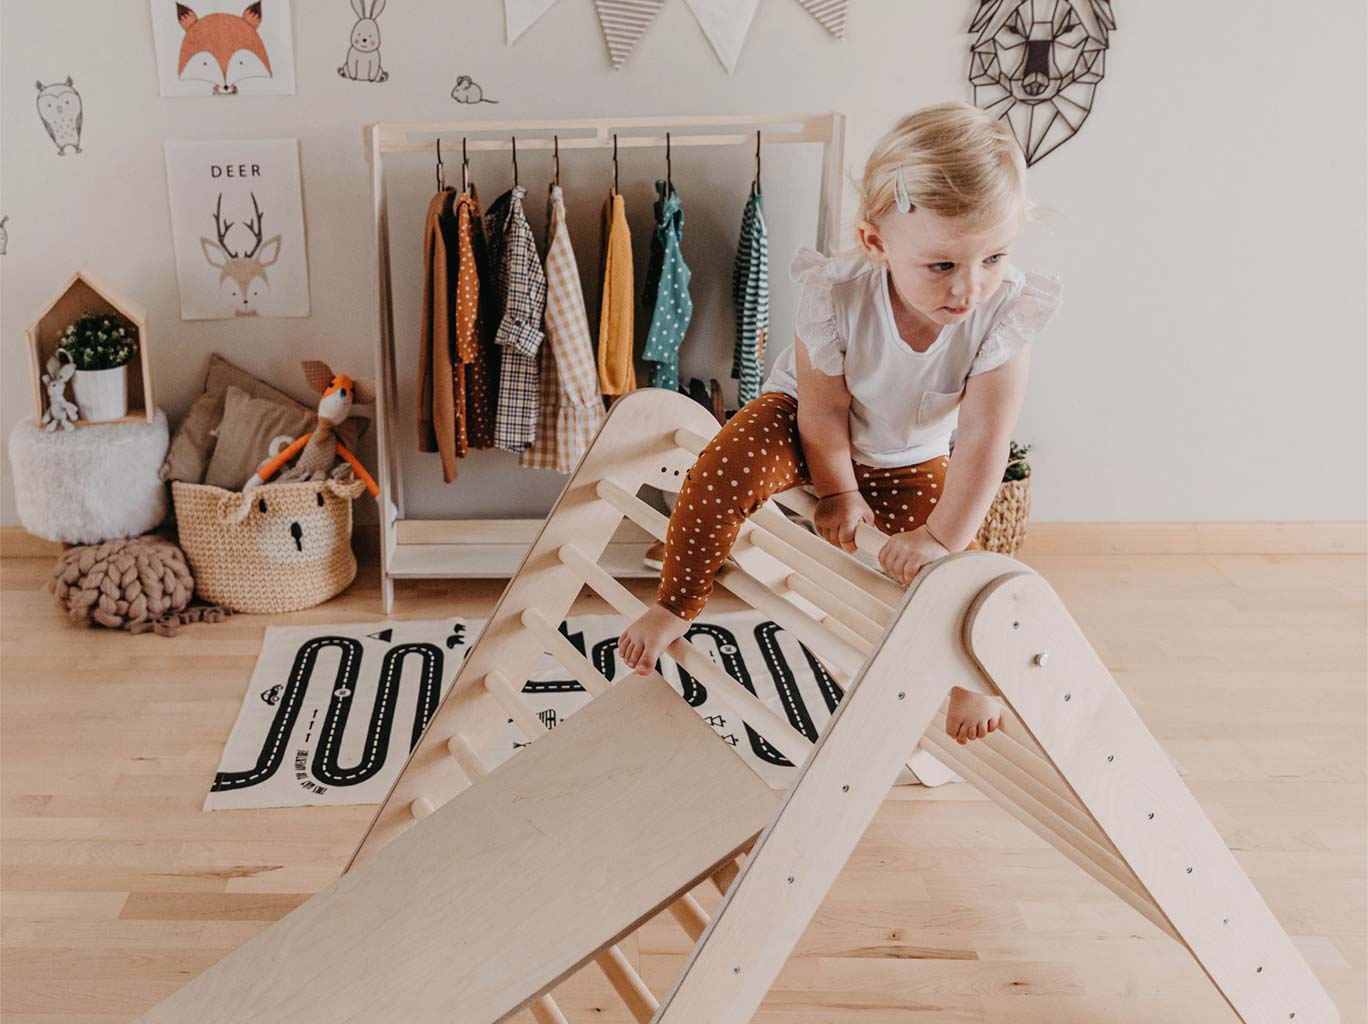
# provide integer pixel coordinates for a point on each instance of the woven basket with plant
(1004, 528)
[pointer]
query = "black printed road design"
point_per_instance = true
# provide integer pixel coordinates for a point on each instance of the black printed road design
(344, 687)
(325, 765)
(726, 652)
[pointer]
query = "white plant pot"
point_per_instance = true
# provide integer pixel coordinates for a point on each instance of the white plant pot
(102, 394)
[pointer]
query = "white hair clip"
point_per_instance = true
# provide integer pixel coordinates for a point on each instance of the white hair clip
(900, 195)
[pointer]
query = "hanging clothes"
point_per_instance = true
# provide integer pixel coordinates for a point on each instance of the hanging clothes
(667, 290)
(617, 371)
(571, 408)
(477, 357)
(750, 297)
(436, 333)
(522, 295)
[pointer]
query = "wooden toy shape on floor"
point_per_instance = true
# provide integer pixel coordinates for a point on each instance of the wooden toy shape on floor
(475, 891)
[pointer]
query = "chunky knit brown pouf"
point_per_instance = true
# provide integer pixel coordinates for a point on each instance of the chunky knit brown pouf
(136, 584)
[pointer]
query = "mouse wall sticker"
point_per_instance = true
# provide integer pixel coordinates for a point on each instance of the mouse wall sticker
(467, 90)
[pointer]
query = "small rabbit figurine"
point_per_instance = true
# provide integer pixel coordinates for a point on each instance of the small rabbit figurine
(319, 450)
(61, 412)
(363, 59)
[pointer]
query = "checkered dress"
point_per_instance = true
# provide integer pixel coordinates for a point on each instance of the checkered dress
(750, 296)
(522, 290)
(571, 407)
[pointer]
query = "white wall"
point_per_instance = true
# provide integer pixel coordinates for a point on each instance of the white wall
(1208, 221)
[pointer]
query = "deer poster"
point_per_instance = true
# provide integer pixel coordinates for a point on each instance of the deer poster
(237, 219)
(224, 48)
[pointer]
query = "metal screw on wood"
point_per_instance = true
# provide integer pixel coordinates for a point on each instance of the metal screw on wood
(902, 694)
(845, 789)
(1042, 658)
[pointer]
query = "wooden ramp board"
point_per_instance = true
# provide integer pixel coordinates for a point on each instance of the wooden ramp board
(511, 885)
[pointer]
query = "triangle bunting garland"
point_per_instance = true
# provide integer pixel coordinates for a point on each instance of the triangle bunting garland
(520, 15)
(624, 23)
(831, 14)
(725, 23)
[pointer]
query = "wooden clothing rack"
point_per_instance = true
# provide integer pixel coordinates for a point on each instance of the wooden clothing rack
(482, 885)
(451, 548)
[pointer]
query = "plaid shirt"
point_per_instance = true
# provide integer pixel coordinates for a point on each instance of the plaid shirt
(750, 296)
(522, 291)
(571, 407)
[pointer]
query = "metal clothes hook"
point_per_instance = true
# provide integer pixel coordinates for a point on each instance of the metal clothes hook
(669, 178)
(441, 167)
(756, 185)
(515, 161)
(615, 164)
(465, 167)
(556, 159)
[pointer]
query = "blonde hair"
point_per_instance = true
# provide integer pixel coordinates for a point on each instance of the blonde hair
(957, 160)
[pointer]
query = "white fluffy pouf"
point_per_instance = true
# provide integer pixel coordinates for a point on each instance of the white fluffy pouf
(90, 484)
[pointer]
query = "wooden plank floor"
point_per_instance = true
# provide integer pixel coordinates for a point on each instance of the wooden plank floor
(115, 888)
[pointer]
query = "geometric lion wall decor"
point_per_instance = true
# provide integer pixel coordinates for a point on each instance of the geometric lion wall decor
(1037, 66)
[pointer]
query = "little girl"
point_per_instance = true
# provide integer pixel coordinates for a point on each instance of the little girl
(924, 327)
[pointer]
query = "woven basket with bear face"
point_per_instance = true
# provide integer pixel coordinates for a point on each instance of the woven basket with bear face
(278, 548)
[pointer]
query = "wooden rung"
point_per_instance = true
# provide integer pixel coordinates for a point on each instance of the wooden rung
(691, 441)
(778, 731)
(990, 785)
(724, 876)
(633, 508)
(1006, 752)
(842, 632)
(842, 660)
(861, 625)
(983, 756)
(867, 538)
(628, 984)
(863, 588)
(556, 643)
(545, 1011)
(514, 705)
(464, 754)
(421, 808)
(826, 564)
(690, 915)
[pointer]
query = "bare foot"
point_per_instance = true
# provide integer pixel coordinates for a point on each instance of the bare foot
(971, 716)
(645, 640)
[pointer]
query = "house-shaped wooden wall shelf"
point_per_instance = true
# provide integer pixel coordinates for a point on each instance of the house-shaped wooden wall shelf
(86, 292)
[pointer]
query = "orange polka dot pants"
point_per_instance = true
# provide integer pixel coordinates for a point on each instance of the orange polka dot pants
(755, 456)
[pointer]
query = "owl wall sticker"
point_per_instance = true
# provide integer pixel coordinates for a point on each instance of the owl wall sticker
(59, 107)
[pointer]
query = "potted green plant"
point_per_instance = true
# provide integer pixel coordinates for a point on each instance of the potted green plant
(100, 346)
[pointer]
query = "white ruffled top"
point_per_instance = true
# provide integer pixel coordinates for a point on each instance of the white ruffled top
(904, 404)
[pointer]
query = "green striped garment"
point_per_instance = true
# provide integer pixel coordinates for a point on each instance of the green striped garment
(750, 296)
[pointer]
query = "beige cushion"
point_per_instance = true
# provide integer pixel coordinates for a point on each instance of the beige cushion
(245, 433)
(192, 448)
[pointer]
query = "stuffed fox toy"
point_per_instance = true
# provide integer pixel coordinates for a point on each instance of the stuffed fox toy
(320, 450)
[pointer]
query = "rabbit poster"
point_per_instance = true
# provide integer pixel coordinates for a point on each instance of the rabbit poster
(224, 48)
(237, 220)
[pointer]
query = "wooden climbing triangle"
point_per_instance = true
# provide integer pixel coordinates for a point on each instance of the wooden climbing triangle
(478, 889)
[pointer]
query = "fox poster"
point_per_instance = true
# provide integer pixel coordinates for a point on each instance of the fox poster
(237, 219)
(224, 48)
